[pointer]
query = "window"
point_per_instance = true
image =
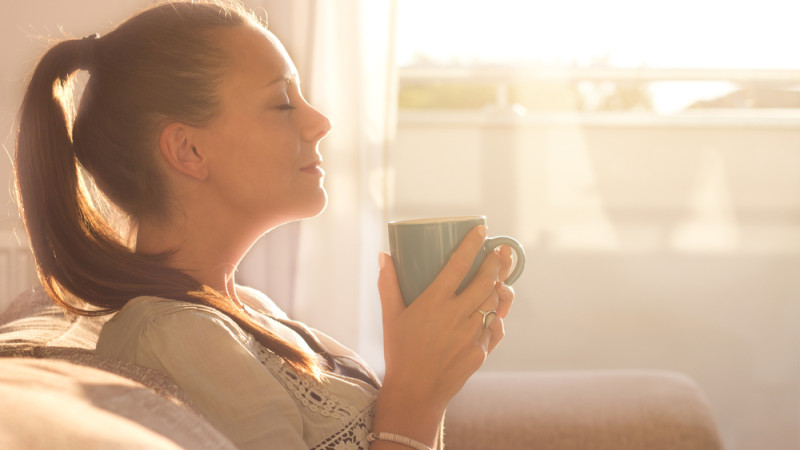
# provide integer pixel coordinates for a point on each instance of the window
(647, 155)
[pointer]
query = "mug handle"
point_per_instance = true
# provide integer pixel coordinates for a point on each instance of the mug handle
(494, 242)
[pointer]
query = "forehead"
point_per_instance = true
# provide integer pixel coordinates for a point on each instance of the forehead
(257, 57)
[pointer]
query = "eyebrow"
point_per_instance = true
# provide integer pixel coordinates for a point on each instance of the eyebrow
(289, 79)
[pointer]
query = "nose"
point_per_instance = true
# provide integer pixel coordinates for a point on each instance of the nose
(318, 126)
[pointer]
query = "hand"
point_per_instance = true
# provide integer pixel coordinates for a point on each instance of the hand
(433, 346)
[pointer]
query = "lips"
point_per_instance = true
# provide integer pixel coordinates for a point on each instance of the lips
(313, 168)
(312, 165)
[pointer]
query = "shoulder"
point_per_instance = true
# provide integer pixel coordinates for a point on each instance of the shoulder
(165, 319)
(259, 301)
(155, 309)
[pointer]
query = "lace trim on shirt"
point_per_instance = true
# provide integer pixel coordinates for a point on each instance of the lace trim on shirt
(305, 388)
(353, 436)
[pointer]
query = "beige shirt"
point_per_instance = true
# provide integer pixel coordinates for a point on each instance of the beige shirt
(243, 389)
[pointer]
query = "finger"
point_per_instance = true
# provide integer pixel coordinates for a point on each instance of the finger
(459, 264)
(505, 262)
(496, 332)
(486, 312)
(505, 294)
(490, 336)
(490, 304)
(482, 285)
(391, 298)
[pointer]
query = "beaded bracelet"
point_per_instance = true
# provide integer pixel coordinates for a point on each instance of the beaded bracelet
(397, 439)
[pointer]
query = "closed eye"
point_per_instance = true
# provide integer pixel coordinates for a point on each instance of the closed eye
(286, 107)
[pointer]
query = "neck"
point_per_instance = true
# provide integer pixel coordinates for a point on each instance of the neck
(208, 255)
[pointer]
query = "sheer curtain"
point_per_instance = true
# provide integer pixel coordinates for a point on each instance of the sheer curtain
(323, 271)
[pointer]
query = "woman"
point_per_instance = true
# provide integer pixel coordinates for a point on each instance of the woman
(193, 124)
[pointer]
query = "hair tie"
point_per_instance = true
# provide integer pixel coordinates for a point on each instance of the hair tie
(86, 52)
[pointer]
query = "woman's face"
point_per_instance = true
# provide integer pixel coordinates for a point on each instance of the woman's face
(263, 159)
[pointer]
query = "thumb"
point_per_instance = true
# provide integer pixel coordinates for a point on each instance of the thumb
(391, 298)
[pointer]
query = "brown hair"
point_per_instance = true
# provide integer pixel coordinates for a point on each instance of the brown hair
(162, 65)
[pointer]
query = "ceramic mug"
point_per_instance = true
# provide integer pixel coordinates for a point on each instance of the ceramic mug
(421, 248)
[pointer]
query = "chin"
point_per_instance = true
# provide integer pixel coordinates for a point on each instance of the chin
(321, 204)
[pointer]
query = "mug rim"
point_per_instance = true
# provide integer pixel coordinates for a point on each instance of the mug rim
(435, 220)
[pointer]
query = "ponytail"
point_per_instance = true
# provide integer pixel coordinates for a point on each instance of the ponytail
(82, 261)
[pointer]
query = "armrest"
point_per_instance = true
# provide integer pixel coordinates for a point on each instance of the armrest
(579, 410)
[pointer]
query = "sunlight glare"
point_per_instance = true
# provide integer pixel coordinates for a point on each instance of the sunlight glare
(620, 33)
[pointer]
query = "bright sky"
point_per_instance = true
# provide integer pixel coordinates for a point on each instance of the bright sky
(627, 33)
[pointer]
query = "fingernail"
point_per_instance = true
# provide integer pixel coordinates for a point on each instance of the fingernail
(381, 260)
(482, 231)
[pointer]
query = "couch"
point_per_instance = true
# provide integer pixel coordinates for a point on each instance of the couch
(56, 393)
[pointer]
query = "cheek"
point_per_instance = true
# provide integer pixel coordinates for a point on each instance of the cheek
(269, 169)
(260, 156)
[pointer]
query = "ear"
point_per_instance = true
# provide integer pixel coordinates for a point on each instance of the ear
(178, 149)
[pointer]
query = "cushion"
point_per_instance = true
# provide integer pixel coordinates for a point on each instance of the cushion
(33, 322)
(601, 410)
(57, 404)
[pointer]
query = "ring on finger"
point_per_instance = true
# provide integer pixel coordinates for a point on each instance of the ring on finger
(488, 317)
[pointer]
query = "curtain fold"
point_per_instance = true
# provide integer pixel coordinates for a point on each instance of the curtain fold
(326, 267)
